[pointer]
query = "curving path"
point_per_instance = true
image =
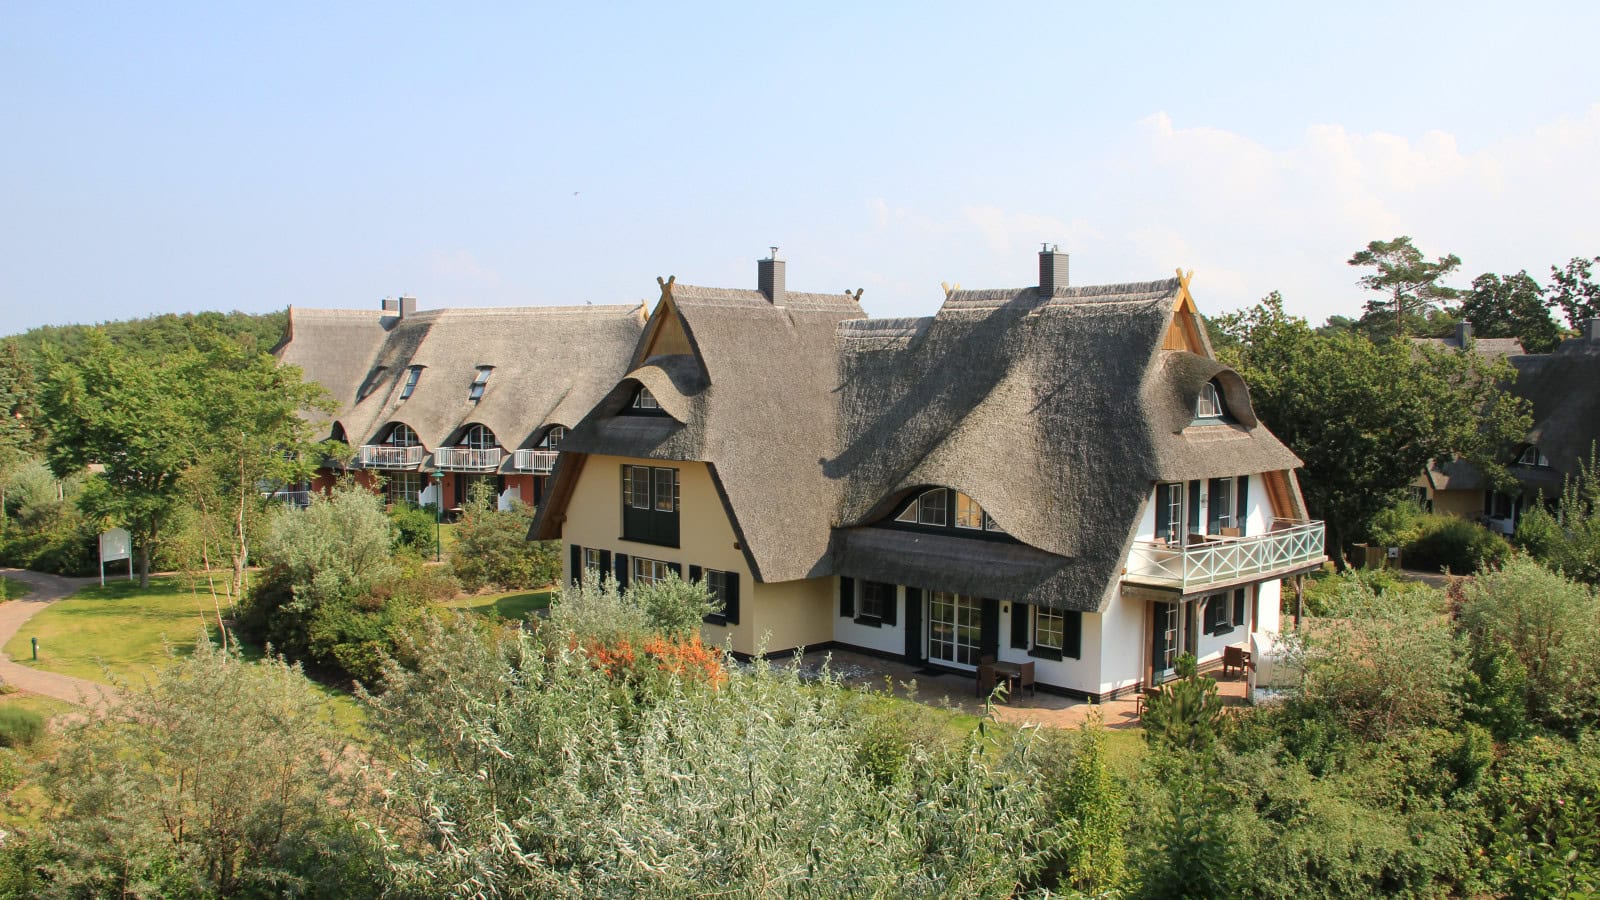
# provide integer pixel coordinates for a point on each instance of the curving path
(44, 590)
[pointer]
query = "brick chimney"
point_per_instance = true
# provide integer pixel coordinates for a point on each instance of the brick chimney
(400, 306)
(1463, 333)
(770, 278)
(1052, 269)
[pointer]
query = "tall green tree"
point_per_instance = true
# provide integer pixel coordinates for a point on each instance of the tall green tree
(144, 420)
(1514, 306)
(1575, 291)
(18, 438)
(1408, 282)
(1367, 417)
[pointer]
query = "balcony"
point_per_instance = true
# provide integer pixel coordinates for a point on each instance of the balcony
(539, 461)
(1212, 560)
(465, 459)
(385, 456)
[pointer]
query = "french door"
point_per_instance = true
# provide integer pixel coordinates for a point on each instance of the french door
(955, 624)
(1164, 648)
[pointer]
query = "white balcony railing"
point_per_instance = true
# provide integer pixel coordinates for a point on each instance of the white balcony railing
(464, 459)
(541, 461)
(1211, 559)
(384, 456)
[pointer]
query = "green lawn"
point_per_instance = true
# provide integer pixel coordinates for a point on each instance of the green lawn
(514, 605)
(11, 589)
(131, 633)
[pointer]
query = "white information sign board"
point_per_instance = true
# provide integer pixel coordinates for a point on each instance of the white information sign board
(114, 545)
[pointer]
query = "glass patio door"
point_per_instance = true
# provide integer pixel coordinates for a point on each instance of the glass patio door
(1164, 647)
(954, 625)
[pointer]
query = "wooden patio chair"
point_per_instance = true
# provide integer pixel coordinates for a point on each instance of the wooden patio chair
(1022, 678)
(1234, 657)
(1145, 693)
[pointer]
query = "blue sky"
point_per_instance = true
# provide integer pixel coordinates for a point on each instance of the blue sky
(167, 158)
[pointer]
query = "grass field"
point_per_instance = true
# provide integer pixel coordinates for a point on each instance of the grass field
(126, 633)
(514, 605)
(12, 589)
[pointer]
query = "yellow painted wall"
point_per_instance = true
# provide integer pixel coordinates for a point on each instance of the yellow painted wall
(786, 614)
(1465, 504)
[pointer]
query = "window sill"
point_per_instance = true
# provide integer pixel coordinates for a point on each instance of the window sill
(869, 621)
(715, 619)
(1045, 653)
(640, 540)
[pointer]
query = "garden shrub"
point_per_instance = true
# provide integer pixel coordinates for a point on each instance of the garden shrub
(19, 727)
(492, 548)
(1567, 539)
(1446, 543)
(416, 527)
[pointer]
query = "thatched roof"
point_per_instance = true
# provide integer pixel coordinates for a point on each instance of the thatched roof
(550, 365)
(1564, 388)
(1493, 348)
(1057, 414)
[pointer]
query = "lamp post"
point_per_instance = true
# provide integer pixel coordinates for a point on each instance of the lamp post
(438, 514)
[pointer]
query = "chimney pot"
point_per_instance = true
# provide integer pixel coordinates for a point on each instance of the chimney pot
(770, 278)
(1052, 269)
(1463, 333)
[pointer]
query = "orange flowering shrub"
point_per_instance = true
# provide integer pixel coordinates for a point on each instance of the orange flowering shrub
(687, 658)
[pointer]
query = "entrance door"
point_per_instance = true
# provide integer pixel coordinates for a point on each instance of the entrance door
(1164, 648)
(955, 625)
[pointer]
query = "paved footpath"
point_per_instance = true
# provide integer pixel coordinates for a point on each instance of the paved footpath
(44, 590)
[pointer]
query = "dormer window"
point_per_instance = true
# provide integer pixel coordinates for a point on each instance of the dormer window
(1533, 456)
(1209, 406)
(412, 375)
(478, 437)
(401, 435)
(553, 438)
(372, 382)
(645, 400)
(475, 393)
(945, 508)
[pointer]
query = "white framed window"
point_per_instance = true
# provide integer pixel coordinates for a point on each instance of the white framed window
(401, 435)
(1221, 503)
(645, 400)
(591, 559)
(636, 486)
(877, 600)
(403, 487)
(954, 622)
(552, 439)
(478, 437)
(1533, 457)
(1209, 405)
(479, 382)
(1049, 628)
(651, 571)
(989, 524)
(413, 374)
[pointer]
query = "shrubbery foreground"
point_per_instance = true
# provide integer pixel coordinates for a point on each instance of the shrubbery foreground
(1440, 746)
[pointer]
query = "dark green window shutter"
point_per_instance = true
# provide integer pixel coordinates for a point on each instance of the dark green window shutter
(677, 567)
(1244, 503)
(696, 573)
(1163, 508)
(914, 646)
(577, 564)
(1019, 625)
(605, 564)
(730, 609)
(891, 610)
(1072, 635)
(622, 571)
(989, 627)
(1194, 506)
(847, 598)
(1214, 509)
(1238, 606)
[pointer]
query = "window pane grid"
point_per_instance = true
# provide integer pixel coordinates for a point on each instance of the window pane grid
(1049, 626)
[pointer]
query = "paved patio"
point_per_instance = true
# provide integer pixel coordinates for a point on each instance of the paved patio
(959, 692)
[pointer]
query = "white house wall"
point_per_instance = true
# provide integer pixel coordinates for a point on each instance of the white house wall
(1077, 674)
(1122, 643)
(1271, 606)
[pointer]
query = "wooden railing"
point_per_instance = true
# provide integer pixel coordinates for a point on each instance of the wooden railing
(1211, 559)
(384, 456)
(465, 459)
(541, 461)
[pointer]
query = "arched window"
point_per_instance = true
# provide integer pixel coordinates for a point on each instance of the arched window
(1533, 456)
(945, 508)
(401, 435)
(552, 439)
(477, 437)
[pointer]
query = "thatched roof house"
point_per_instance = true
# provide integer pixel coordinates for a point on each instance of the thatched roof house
(801, 435)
